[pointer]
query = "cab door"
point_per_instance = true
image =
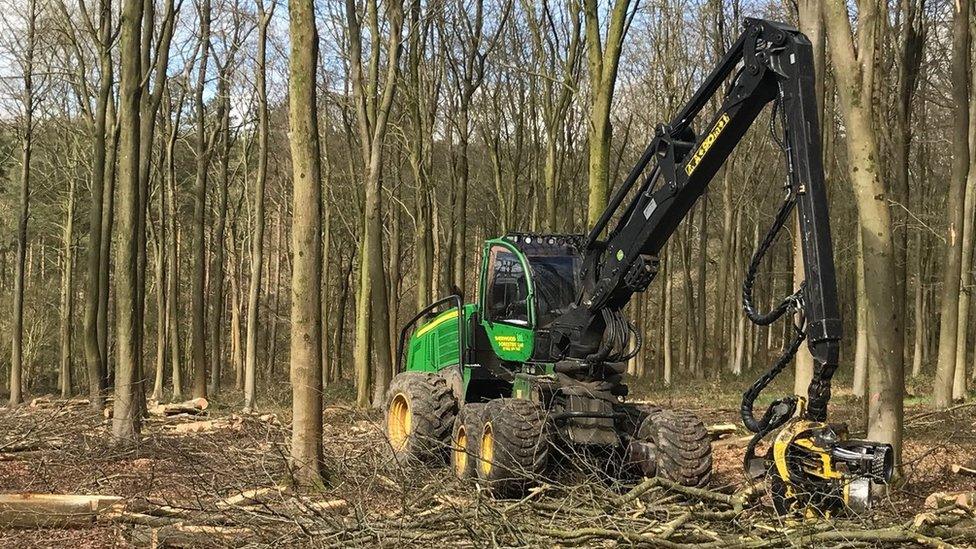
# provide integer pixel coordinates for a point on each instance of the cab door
(507, 302)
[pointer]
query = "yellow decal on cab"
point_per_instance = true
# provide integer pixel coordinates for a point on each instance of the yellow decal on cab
(707, 143)
(509, 343)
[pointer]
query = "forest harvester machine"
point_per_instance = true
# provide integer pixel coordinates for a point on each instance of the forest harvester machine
(537, 362)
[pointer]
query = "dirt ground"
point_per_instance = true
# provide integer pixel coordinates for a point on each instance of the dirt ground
(64, 449)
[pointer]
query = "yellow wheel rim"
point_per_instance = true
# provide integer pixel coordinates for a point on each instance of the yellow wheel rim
(487, 449)
(461, 451)
(399, 421)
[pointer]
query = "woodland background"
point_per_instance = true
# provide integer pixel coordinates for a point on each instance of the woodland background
(441, 123)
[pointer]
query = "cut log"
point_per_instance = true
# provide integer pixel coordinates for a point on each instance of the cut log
(196, 406)
(941, 499)
(720, 430)
(185, 535)
(52, 510)
(960, 470)
(732, 442)
(332, 506)
(251, 497)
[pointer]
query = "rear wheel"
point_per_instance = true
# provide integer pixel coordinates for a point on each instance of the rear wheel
(466, 440)
(514, 448)
(420, 410)
(680, 446)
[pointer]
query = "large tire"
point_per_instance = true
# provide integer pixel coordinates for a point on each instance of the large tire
(420, 410)
(514, 449)
(682, 448)
(466, 440)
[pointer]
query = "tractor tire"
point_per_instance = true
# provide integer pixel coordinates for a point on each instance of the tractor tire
(682, 448)
(515, 444)
(466, 440)
(420, 410)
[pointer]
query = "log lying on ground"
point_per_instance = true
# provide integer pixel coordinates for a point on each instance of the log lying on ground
(720, 430)
(251, 497)
(940, 499)
(196, 406)
(185, 535)
(52, 510)
(234, 423)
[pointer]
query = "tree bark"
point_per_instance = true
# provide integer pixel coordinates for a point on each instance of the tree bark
(855, 82)
(127, 416)
(94, 358)
(67, 290)
(198, 327)
(942, 391)
(306, 307)
(603, 58)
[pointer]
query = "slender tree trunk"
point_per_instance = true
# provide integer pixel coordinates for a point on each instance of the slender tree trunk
(172, 265)
(920, 312)
(94, 358)
(942, 391)
(127, 417)
(27, 146)
(105, 252)
(217, 268)
(257, 234)
(306, 307)
(198, 321)
(162, 326)
(67, 290)
(861, 353)
(959, 388)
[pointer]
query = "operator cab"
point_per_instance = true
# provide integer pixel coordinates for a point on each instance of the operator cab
(530, 279)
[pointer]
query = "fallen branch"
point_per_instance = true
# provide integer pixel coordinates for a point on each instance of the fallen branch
(960, 470)
(185, 535)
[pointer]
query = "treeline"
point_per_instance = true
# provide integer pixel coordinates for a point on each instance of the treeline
(442, 123)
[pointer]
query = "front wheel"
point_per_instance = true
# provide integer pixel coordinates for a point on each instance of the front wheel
(420, 410)
(514, 448)
(679, 445)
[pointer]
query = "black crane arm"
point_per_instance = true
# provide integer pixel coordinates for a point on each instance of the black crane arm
(769, 62)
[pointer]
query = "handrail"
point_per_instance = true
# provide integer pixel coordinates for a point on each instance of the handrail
(427, 310)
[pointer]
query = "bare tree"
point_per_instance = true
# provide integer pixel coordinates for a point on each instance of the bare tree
(373, 99)
(602, 61)
(257, 238)
(306, 309)
(854, 71)
(127, 416)
(942, 391)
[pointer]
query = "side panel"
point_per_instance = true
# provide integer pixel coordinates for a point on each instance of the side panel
(434, 345)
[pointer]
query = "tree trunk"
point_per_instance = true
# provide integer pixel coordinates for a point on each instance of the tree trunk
(94, 358)
(959, 389)
(217, 268)
(942, 390)
(855, 81)
(861, 353)
(306, 307)
(198, 327)
(27, 145)
(67, 290)
(257, 234)
(105, 252)
(127, 416)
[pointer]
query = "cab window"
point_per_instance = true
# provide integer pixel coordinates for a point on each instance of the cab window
(507, 293)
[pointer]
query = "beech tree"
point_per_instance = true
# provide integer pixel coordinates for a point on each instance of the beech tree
(306, 309)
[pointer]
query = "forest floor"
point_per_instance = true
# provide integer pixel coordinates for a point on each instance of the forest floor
(175, 487)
